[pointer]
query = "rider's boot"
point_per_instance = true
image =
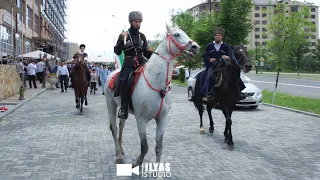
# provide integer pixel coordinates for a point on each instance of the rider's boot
(124, 94)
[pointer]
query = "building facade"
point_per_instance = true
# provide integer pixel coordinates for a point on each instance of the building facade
(259, 19)
(41, 25)
(73, 48)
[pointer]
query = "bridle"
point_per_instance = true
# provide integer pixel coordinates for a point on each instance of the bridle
(235, 59)
(167, 87)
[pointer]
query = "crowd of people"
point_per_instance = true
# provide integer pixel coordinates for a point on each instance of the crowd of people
(33, 70)
(98, 72)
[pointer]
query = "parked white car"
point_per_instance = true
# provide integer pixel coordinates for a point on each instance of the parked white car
(253, 94)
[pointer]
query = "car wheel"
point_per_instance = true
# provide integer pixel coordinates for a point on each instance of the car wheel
(190, 94)
(253, 107)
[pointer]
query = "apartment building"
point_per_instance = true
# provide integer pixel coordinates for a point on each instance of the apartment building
(40, 25)
(259, 18)
(72, 48)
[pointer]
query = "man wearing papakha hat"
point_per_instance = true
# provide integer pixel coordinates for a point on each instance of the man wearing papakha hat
(215, 51)
(135, 48)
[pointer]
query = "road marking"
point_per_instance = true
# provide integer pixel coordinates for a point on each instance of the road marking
(308, 93)
(317, 87)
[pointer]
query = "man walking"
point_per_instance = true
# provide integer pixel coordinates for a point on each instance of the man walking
(63, 74)
(32, 74)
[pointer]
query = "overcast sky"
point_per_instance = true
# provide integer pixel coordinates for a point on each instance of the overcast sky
(91, 22)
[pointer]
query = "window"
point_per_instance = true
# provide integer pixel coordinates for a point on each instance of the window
(313, 37)
(257, 43)
(29, 17)
(264, 15)
(257, 29)
(264, 8)
(294, 9)
(313, 9)
(264, 43)
(264, 37)
(264, 22)
(264, 29)
(313, 43)
(257, 36)
(257, 22)
(256, 15)
(35, 23)
(257, 8)
(313, 16)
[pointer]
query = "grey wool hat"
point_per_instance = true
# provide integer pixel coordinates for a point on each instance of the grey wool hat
(135, 15)
(218, 30)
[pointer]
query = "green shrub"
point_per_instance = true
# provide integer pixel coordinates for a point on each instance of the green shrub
(182, 75)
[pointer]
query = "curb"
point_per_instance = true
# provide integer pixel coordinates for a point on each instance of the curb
(293, 110)
(6, 113)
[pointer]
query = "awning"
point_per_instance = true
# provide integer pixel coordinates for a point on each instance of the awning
(42, 39)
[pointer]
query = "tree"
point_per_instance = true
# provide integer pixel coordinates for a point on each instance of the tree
(235, 18)
(285, 33)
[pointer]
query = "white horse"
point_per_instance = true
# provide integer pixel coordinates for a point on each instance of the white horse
(146, 100)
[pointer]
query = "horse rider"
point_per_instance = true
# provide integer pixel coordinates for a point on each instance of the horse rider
(76, 59)
(135, 51)
(215, 51)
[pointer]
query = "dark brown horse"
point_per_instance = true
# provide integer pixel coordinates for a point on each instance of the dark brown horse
(227, 94)
(80, 83)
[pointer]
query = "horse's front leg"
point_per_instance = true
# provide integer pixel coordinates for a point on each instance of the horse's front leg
(77, 103)
(161, 126)
(121, 126)
(142, 124)
(209, 109)
(81, 105)
(227, 111)
(86, 101)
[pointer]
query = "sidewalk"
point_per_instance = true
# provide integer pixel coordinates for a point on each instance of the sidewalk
(13, 103)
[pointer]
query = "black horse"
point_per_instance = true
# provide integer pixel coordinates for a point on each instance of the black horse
(227, 94)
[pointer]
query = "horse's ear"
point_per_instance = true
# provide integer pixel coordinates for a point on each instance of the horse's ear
(169, 28)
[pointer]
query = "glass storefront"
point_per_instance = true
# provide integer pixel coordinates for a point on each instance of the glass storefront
(5, 41)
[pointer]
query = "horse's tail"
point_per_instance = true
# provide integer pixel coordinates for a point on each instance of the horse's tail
(198, 98)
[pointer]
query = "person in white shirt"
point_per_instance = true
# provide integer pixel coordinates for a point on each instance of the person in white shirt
(94, 80)
(63, 74)
(20, 68)
(40, 68)
(32, 73)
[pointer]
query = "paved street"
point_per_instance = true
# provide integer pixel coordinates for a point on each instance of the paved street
(298, 87)
(47, 139)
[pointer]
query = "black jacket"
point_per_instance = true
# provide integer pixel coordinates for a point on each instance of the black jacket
(131, 49)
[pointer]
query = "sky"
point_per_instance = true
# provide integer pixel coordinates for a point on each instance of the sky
(91, 22)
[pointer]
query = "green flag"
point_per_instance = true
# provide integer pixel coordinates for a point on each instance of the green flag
(121, 56)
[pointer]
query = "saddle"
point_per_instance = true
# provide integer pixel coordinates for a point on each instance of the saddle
(114, 83)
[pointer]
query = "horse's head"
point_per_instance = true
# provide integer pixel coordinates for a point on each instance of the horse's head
(240, 59)
(180, 43)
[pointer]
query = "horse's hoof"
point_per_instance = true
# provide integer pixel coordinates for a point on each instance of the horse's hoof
(226, 140)
(202, 131)
(211, 129)
(231, 147)
(119, 161)
(86, 103)
(77, 107)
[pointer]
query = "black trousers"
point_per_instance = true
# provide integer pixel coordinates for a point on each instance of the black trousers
(40, 76)
(63, 81)
(124, 86)
(33, 79)
(93, 86)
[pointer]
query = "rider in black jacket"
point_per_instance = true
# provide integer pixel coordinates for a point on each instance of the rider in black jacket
(134, 49)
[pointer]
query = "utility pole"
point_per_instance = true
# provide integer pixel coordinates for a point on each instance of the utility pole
(210, 5)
